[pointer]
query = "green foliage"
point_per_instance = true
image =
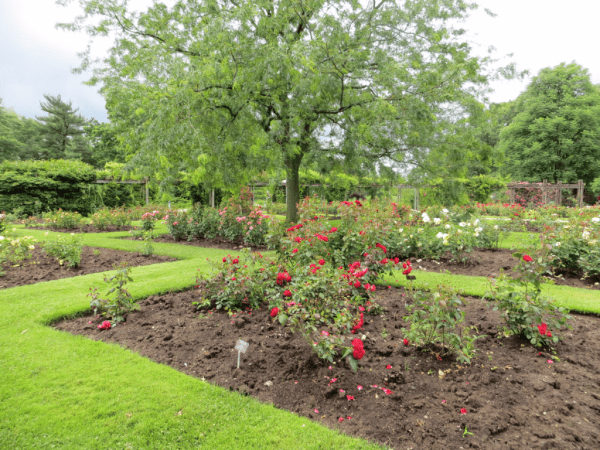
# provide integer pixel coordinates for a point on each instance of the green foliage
(556, 133)
(119, 301)
(575, 246)
(20, 137)
(299, 82)
(63, 131)
(595, 186)
(436, 319)
(525, 311)
(13, 250)
(146, 248)
(63, 219)
(115, 217)
(54, 184)
(66, 249)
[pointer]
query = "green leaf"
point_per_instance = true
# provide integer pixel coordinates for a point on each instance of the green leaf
(282, 319)
(353, 363)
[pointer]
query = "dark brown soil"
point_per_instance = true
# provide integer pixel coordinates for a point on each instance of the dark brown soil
(488, 263)
(206, 243)
(514, 398)
(42, 267)
(87, 229)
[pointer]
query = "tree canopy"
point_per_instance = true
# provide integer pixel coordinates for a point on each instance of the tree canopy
(556, 134)
(227, 88)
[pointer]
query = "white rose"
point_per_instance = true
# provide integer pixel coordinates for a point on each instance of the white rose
(31, 247)
(445, 211)
(426, 217)
(596, 219)
(557, 244)
(436, 220)
(440, 235)
(476, 234)
(459, 231)
(476, 222)
(495, 227)
(462, 224)
(447, 226)
(2, 238)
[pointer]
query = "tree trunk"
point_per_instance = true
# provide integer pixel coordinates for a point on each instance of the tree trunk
(292, 164)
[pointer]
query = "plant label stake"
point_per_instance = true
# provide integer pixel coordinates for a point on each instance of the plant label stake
(241, 347)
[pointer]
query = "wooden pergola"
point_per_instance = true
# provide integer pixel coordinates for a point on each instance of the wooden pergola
(549, 190)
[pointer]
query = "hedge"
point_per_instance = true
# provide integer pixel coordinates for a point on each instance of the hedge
(37, 186)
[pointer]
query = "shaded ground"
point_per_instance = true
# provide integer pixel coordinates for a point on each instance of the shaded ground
(85, 229)
(206, 243)
(45, 268)
(489, 263)
(514, 398)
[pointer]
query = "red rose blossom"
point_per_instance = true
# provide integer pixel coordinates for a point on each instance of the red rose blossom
(321, 261)
(359, 351)
(463, 411)
(274, 312)
(287, 293)
(527, 258)
(543, 328)
(405, 341)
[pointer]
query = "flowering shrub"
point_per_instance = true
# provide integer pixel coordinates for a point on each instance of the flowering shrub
(3, 223)
(576, 247)
(323, 303)
(149, 220)
(119, 301)
(436, 319)
(238, 285)
(63, 219)
(525, 311)
(177, 224)
(65, 249)
(13, 250)
(115, 217)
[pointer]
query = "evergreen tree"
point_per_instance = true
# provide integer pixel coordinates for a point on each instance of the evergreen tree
(63, 131)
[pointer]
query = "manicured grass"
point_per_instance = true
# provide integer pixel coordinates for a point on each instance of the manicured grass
(68, 392)
(576, 299)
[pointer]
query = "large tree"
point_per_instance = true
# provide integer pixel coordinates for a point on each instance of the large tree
(63, 131)
(229, 87)
(556, 134)
(20, 137)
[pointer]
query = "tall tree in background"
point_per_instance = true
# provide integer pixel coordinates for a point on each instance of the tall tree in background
(231, 86)
(63, 131)
(556, 133)
(20, 137)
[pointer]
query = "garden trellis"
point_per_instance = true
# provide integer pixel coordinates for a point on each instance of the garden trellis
(549, 191)
(390, 186)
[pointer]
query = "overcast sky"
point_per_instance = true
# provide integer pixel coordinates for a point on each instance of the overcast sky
(36, 58)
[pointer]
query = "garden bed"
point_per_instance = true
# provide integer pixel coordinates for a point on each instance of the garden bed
(93, 260)
(206, 243)
(513, 396)
(86, 229)
(489, 263)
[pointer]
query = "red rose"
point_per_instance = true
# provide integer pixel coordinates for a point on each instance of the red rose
(463, 411)
(381, 247)
(295, 250)
(359, 351)
(287, 293)
(549, 334)
(405, 341)
(225, 259)
(542, 328)
(357, 284)
(235, 261)
(274, 312)
(106, 325)
(321, 261)
(527, 258)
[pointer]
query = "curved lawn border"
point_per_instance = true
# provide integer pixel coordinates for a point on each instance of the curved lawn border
(68, 392)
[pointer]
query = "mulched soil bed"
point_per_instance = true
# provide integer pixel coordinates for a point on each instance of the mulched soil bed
(85, 229)
(514, 398)
(488, 263)
(206, 243)
(42, 267)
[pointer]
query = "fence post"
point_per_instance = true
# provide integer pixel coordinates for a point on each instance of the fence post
(580, 193)
(147, 193)
(559, 194)
(212, 198)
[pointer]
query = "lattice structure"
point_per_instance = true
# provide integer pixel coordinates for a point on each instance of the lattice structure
(550, 192)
